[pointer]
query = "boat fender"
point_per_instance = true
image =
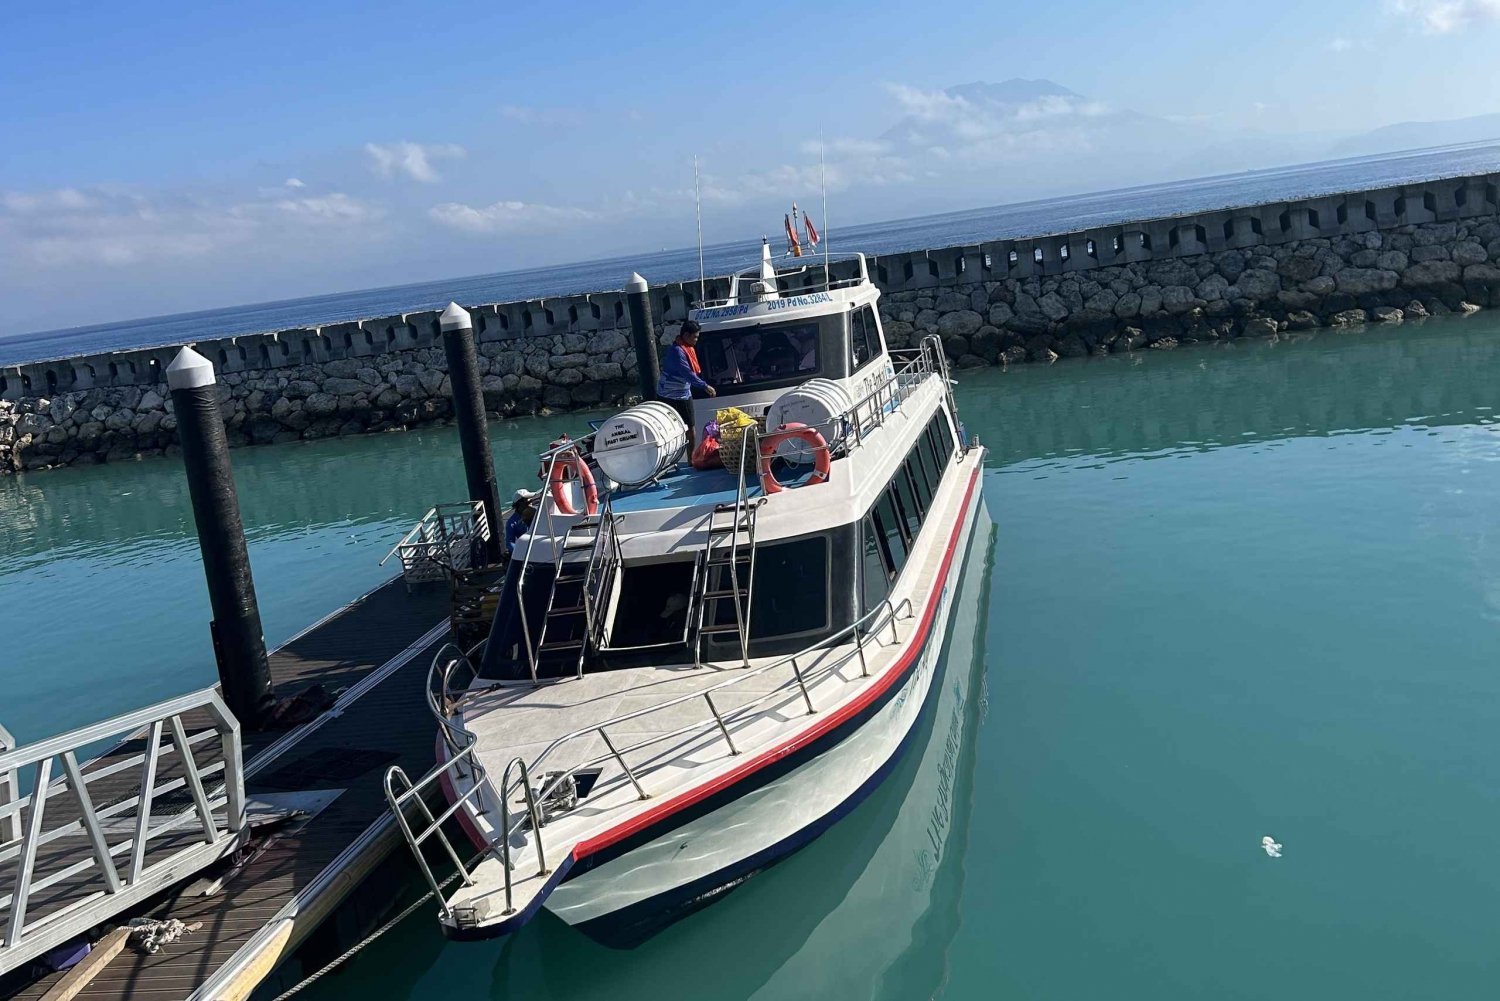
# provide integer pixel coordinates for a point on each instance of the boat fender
(822, 455)
(569, 465)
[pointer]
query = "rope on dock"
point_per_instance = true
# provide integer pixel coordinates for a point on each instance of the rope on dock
(362, 943)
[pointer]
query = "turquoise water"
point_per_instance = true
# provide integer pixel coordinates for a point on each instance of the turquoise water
(1232, 592)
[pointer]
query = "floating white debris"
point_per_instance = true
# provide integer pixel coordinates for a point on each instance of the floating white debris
(1272, 847)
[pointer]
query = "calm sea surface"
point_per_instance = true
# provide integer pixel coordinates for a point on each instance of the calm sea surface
(1230, 592)
(1054, 215)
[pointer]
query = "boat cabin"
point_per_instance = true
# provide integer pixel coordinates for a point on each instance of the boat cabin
(688, 567)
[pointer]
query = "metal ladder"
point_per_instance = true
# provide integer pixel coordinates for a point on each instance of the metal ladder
(730, 546)
(587, 588)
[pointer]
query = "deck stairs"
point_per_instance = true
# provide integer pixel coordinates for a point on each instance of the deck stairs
(726, 572)
(574, 617)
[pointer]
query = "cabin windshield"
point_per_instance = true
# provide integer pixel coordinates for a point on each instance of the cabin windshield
(760, 357)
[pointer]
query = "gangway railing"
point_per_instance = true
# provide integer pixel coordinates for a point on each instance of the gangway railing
(115, 830)
(444, 540)
(10, 788)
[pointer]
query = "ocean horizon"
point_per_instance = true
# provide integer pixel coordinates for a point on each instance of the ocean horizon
(1041, 217)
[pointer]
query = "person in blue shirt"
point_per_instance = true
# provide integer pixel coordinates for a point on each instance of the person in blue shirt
(680, 376)
(522, 512)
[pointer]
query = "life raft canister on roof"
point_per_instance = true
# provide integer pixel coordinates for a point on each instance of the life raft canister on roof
(638, 444)
(819, 404)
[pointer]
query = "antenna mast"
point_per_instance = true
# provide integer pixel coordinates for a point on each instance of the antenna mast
(823, 182)
(698, 209)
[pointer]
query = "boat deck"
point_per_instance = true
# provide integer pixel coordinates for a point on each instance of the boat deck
(689, 487)
(668, 737)
(377, 649)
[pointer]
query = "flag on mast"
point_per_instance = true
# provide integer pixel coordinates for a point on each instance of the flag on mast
(793, 247)
(812, 234)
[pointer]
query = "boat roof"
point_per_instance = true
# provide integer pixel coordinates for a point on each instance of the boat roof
(808, 286)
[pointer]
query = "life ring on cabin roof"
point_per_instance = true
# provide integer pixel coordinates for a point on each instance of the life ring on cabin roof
(569, 465)
(822, 455)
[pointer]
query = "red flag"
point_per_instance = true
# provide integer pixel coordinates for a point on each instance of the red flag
(793, 247)
(812, 234)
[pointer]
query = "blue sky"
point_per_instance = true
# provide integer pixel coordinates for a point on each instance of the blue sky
(196, 155)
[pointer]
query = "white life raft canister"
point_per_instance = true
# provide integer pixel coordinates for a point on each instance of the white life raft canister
(637, 444)
(818, 403)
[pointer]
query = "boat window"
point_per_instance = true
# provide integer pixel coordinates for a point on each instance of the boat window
(752, 357)
(942, 445)
(791, 588)
(864, 342)
(945, 435)
(906, 499)
(927, 452)
(919, 479)
(889, 526)
(875, 582)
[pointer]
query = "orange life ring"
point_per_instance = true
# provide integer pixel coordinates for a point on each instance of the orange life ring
(822, 455)
(569, 465)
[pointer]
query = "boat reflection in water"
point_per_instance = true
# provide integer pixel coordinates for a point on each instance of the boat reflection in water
(863, 912)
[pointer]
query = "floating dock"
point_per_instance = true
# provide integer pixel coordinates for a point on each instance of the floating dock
(374, 653)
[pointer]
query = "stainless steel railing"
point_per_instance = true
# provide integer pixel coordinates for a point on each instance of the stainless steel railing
(441, 541)
(463, 769)
(99, 859)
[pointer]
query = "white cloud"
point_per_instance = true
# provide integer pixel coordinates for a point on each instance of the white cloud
(951, 126)
(412, 160)
(1439, 17)
(292, 182)
(70, 228)
(1340, 45)
(509, 217)
(842, 146)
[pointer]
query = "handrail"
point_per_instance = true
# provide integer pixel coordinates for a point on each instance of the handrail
(10, 788)
(465, 745)
(550, 459)
(751, 272)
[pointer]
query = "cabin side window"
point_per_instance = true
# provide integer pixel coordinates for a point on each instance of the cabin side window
(906, 500)
(889, 531)
(864, 338)
(924, 486)
(875, 578)
(889, 525)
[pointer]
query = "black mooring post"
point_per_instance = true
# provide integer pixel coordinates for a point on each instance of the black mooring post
(647, 365)
(239, 645)
(473, 430)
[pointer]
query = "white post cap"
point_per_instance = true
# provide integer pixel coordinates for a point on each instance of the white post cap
(189, 370)
(455, 317)
(636, 283)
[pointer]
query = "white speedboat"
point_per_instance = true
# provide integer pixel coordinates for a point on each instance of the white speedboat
(692, 673)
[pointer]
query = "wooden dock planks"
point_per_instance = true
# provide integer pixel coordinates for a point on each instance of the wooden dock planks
(387, 724)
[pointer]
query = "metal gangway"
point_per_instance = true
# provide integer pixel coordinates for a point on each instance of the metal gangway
(164, 799)
(442, 541)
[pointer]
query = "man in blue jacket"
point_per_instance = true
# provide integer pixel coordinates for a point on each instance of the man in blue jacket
(680, 376)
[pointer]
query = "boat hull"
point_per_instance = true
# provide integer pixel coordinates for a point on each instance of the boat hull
(625, 895)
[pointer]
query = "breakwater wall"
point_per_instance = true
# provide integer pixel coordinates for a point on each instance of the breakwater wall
(1343, 259)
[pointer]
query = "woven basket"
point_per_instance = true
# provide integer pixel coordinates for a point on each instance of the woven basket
(732, 446)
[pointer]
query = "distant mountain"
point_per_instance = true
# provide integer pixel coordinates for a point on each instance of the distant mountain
(1028, 135)
(1420, 135)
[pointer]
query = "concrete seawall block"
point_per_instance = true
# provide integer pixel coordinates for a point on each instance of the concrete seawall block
(1215, 275)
